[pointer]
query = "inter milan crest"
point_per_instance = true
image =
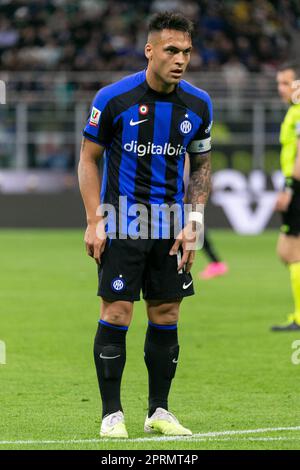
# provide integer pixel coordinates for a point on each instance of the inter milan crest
(185, 127)
(118, 284)
(143, 109)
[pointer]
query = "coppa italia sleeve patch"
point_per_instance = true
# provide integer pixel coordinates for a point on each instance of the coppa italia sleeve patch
(95, 116)
(298, 128)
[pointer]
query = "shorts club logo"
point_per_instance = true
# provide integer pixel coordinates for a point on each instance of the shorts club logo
(185, 127)
(143, 109)
(118, 284)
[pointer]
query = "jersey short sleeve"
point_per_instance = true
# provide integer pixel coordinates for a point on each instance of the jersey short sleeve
(99, 125)
(201, 142)
(296, 119)
(289, 136)
(297, 128)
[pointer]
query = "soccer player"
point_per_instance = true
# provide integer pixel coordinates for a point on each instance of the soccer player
(216, 267)
(288, 201)
(143, 125)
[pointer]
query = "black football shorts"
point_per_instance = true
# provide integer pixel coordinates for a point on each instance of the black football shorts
(127, 266)
(291, 218)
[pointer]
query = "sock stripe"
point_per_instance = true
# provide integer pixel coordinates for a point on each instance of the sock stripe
(115, 327)
(163, 327)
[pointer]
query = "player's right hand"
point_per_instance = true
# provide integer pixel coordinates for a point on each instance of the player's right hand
(95, 240)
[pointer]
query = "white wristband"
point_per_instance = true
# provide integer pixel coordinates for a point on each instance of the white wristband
(196, 217)
(289, 190)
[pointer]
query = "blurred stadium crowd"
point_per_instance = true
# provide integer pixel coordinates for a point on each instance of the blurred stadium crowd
(88, 35)
(55, 54)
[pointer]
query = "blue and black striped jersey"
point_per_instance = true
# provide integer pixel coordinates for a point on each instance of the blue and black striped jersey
(146, 135)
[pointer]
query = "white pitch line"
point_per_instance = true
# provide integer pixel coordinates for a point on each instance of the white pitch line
(200, 439)
(196, 437)
(71, 441)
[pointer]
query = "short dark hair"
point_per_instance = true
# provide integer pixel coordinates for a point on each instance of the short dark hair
(291, 65)
(170, 20)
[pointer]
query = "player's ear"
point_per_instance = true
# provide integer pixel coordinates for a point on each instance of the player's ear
(148, 51)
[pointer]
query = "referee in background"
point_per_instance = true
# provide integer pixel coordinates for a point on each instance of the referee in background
(288, 201)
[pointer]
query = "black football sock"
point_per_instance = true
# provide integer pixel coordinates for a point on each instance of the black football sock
(161, 357)
(110, 358)
(209, 250)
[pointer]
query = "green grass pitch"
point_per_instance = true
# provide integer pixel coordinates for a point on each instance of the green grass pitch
(233, 374)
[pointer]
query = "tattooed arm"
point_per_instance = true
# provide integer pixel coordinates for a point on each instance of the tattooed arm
(200, 179)
(197, 194)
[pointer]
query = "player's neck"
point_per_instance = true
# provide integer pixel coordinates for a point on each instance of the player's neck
(156, 84)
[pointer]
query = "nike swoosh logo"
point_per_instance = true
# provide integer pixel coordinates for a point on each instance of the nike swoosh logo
(135, 123)
(175, 361)
(185, 286)
(112, 357)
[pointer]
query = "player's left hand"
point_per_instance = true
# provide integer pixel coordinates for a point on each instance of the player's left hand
(95, 240)
(187, 238)
(283, 201)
